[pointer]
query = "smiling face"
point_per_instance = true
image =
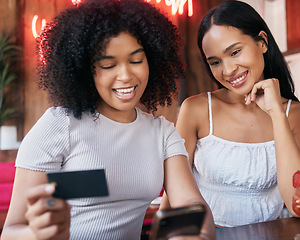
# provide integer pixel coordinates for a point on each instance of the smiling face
(235, 59)
(121, 77)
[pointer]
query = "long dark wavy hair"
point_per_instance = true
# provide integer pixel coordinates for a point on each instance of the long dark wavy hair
(243, 17)
(68, 46)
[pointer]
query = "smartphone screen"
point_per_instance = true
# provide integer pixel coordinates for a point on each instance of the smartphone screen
(182, 221)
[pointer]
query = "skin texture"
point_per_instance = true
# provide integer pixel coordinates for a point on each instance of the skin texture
(252, 107)
(234, 57)
(121, 75)
(66, 70)
(121, 69)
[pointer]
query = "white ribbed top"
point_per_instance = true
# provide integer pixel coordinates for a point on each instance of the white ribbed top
(132, 155)
(237, 180)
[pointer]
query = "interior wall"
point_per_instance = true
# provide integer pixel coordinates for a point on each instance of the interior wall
(294, 62)
(36, 101)
(198, 80)
(274, 12)
(282, 17)
(8, 15)
(11, 24)
(17, 15)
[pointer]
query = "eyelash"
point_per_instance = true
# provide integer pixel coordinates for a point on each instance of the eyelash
(214, 63)
(235, 52)
(137, 62)
(110, 67)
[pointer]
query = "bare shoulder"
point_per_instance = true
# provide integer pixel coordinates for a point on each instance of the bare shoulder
(196, 102)
(194, 115)
(219, 95)
(294, 116)
(295, 109)
(196, 105)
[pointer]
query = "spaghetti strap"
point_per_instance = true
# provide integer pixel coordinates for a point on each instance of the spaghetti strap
(210, 114)
(288, 107)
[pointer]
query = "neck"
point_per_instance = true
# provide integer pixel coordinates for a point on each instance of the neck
(119, 116)
(233, 97)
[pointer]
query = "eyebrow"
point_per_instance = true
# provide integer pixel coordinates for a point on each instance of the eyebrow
(111, 57)
(226, 50)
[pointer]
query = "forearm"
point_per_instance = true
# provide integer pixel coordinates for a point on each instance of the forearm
(18, 231)
(164, 202)
(25, 232)
(287, 157)
(208, 229)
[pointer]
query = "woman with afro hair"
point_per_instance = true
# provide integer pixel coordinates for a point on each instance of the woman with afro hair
(97, 61)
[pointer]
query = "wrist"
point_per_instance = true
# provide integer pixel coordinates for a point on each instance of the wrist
(277, 115)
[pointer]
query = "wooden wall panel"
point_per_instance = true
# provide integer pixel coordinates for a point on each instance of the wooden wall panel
(293, 24)
(9, 23)
(8, 155)
(17, 15)
(198, 80)
(8, 17)
(36, 101)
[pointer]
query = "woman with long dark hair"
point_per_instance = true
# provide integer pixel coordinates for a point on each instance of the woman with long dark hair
(243, 140)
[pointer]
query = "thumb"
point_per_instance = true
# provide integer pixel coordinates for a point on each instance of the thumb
(35, 193)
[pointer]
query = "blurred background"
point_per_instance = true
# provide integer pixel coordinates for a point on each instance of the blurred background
(22, 21)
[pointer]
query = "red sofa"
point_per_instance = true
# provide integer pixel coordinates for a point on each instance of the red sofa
(7, 174)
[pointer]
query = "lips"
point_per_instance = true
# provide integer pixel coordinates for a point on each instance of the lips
(125, 93)
(238, 80)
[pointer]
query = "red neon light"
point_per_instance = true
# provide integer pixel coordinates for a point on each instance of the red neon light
(177, 5)
(76, 2)
(33, 25)
(35, 18)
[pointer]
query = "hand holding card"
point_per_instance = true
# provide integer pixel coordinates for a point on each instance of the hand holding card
(79, 184)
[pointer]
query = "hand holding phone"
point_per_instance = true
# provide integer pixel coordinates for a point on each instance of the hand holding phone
(183, 221)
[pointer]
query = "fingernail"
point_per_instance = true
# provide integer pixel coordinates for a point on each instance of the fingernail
(49, 188)
(50, 202)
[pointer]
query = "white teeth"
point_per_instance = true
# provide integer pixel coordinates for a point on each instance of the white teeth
(239, 79)
(125, 90)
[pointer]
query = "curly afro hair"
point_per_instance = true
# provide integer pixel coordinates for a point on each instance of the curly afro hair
(68, 46)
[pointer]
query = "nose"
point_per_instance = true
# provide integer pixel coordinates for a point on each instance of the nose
(229, 68)
(124, 73)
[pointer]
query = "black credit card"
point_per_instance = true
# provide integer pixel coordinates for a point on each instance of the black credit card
(79, 184)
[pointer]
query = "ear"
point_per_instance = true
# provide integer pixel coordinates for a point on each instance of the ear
(264, 42)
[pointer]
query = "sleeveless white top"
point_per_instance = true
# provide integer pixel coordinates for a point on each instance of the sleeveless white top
(237, 180)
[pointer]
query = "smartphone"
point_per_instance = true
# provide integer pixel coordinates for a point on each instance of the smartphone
(183, 221)
(79, 184)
